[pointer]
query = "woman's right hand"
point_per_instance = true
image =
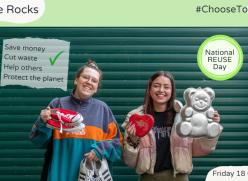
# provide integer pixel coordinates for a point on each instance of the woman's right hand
(131, 131)
(45, 114)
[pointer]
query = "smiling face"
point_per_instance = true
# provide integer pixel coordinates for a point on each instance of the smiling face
(201, 100)
(160, 91)
(86, 83)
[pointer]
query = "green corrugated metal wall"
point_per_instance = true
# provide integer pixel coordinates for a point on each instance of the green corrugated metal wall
(127, 56)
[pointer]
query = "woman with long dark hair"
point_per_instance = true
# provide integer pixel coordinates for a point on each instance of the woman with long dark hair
(162, 154)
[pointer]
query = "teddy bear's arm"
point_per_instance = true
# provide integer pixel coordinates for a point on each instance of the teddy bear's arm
(210, 114)
(188, 111)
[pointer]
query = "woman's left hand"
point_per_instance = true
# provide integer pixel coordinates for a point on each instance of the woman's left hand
(91, 155)
(216, 117)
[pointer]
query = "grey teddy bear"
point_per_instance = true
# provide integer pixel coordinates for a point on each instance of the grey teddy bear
(195, 119)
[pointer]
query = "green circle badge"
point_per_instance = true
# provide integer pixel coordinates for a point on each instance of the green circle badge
(220, 57)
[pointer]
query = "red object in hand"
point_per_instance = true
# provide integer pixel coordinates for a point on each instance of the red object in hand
(64, 119)
(143, 123)
(66, 116)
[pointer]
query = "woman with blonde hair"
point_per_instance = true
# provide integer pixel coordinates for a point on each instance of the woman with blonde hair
(100, 137)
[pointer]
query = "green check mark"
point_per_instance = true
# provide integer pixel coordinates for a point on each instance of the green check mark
(53, 60)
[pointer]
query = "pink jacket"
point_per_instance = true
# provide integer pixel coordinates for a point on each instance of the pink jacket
(143, 157)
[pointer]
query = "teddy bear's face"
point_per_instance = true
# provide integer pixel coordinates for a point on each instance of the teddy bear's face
(200, 100)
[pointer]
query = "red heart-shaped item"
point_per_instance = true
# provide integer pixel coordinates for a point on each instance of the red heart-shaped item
(143, 123)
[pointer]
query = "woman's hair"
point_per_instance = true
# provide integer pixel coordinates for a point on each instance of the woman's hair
(148, 102)
(90, 64)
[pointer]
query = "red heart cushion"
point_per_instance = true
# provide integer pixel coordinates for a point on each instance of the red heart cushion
(143, 123)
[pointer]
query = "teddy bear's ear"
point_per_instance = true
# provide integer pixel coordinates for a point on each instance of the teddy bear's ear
(210, 92)
(187, 94)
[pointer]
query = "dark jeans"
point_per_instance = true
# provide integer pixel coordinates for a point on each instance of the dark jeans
(166, 175)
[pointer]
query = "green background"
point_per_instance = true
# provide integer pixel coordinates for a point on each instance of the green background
(128, 57)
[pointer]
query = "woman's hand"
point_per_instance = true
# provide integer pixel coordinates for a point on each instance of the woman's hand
(216, 117)
(45, 114)
(91, 155)
(131, 131)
